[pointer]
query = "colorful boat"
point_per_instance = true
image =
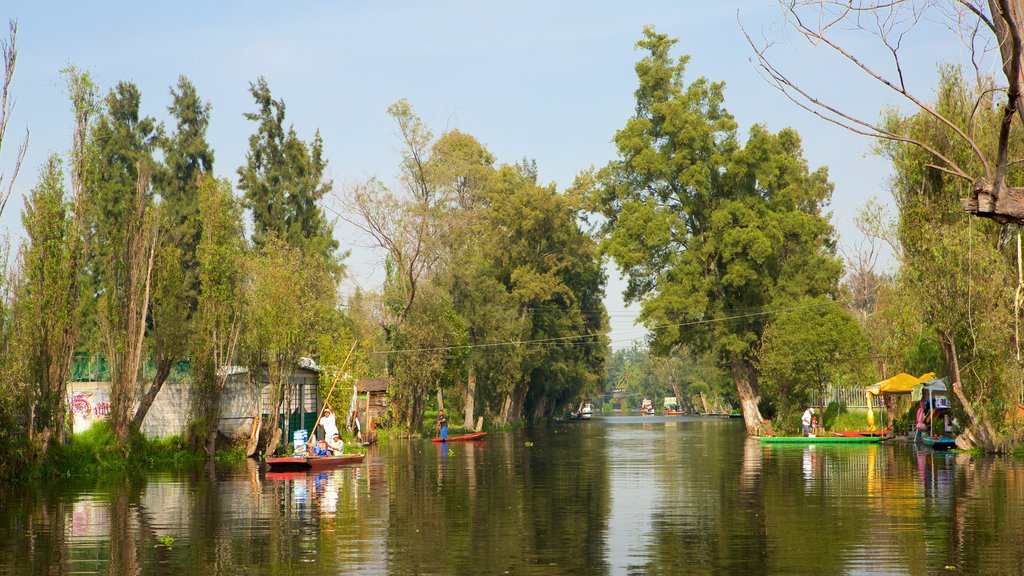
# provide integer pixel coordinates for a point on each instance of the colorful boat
(313, 462)
(818, 439)
(474, 437)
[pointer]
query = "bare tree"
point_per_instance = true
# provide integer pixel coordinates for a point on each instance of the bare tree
(980, 26)
(9, 53)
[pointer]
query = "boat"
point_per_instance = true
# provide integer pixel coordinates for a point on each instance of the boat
(313, 462)
(938, 442)
(585, 412)
(818, 439)
(474, 437)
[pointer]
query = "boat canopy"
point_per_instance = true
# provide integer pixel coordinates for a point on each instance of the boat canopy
(901, 383)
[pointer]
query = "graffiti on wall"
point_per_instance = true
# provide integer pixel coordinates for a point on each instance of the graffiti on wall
(88, 406)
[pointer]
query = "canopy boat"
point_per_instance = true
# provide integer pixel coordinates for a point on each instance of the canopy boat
(474, 437)
(313, 462)
(818, 439)
(933, 421)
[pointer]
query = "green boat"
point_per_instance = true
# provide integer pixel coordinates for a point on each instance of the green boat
(818, 439)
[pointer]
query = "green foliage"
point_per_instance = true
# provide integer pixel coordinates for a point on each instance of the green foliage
(958, 272)
(832, 413)
(704, 228)
(804, 349)
(283, 179)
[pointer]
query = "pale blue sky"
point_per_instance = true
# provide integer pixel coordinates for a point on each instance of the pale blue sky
(545, 80)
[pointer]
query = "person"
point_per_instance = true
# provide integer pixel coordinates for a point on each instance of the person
(329, 423)
(320, 449)
(806, 421)
(442, 424)
(336, 445)
(357, 430)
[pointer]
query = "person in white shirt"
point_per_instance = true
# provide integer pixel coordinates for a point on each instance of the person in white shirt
(806, 420)
(335, 444)
(329, 423)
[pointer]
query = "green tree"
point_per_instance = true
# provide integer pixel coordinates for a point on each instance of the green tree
(287, 297)
(806, 348)
(955, 270)
(283, 179)
(218, 320)
(711, 234)
(48, 299)
(123, 232)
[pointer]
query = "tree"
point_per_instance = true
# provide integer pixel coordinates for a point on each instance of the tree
(218, 320)
(124, 232)
(983, 27)
(956, 270)
(806, 348)
(48, 299)
(711, 235)
(287, 296)
(283, 179)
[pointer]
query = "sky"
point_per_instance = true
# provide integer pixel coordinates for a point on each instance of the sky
(551, 81)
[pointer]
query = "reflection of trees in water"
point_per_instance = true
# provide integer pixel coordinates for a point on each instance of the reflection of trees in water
(500, 505)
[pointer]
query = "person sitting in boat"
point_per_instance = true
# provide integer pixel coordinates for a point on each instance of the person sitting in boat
(808, 415)
(442, 425)
(320, 449)
(336, 445)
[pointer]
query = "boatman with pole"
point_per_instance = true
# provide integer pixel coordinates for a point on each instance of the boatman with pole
(442, 424)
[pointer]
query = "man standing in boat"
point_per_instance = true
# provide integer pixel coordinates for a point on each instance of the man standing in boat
(806, 421)
(442, 424)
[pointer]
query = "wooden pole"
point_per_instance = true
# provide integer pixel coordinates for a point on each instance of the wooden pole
(333, 384)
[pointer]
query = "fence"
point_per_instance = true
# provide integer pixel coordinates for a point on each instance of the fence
(852, 396)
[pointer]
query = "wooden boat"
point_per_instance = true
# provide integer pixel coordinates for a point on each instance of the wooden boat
(313, 462)
(474, 437)
(939, 443)
(818, 439)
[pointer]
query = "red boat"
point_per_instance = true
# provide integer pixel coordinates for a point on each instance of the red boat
(313, 463)
(474, 437)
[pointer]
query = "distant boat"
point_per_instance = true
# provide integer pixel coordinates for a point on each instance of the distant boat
(313, 462)
(474, 437)
(585, 412)
(818, 439)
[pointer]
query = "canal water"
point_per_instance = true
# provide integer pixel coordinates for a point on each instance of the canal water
(654, 495)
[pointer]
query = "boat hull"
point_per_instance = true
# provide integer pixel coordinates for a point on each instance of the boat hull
(818, 439)
(475, 437)
(938, 443)
(314, 463)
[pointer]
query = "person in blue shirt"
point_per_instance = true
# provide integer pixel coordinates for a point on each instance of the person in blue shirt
(319, 449)
(442, 424)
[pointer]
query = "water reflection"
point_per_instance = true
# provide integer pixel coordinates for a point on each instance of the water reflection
(612, 496)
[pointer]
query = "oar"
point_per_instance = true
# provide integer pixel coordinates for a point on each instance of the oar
(333, 384)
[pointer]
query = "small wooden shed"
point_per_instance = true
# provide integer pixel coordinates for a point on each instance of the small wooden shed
(372, 399)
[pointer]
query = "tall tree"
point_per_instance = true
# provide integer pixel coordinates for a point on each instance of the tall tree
(124, 231)
(48, 298)
(283, 180)
(220, 311)
(711, 235)
(287, 297)
(187, 157)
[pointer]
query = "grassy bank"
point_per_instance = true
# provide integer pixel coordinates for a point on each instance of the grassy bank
(94, 451)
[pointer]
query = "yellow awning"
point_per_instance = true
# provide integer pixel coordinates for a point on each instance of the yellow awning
(901, 383)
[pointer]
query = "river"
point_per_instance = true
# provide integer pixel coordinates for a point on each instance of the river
(616, 495)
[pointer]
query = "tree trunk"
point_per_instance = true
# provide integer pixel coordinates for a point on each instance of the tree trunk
(704, 402)
(470, 401)
(213, 415)
(513, 406)
(980, 431)
(416, 415)
(750, 395)
(163, 370)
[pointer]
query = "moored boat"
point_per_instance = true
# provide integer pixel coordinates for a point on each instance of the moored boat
(818, 439)
(938, 443)
(474, 437)
(313, 462)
